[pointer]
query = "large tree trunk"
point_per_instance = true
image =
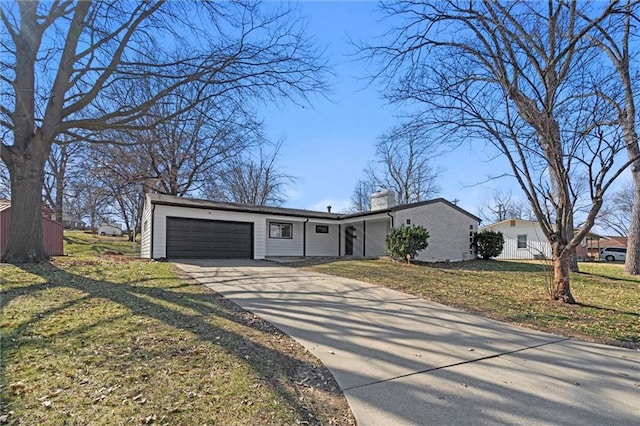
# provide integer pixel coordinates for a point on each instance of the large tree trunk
(561, 272)
(25, 243)
(632, 264)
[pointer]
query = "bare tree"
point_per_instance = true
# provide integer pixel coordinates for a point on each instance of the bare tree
(519, 76)
(87, 199)
(252, 180)
(618, 40)
(617, 211)
(404, 164)
(361, 197)
(87, 55)
(59, 169)
(5, 183)
(502, 206)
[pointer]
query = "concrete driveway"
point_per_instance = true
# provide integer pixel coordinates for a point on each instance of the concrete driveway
(403, 360)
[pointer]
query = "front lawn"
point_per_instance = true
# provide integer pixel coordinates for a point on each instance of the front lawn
(609, 301)
(103, 338)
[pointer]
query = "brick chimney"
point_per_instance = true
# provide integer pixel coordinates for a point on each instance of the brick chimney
(384, 199)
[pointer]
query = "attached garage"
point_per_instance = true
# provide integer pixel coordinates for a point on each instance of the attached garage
(208, 239)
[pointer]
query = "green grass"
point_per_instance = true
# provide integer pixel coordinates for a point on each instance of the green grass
(609, 301)
(111, 339)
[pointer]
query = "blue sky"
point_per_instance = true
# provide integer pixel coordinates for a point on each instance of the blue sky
(327, 146)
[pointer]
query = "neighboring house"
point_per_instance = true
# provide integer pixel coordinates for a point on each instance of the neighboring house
(72, 222)
(110, 229)
(52, 232)
(175, 227)
(524, 239)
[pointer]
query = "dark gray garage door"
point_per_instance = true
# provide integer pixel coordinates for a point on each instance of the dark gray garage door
(208, 239)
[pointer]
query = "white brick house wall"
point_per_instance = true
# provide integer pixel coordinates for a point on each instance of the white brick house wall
(450, 231)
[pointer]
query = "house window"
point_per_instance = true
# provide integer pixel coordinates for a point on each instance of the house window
(322, 229)
(281, 230)
(471, 227)
(522, 241)
(408, 221)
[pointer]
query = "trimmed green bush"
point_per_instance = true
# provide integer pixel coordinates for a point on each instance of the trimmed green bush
(488, 244)
(406, 241)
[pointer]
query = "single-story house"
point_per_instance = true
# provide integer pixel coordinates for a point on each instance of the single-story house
(71, 221)
(176, 227)
(524, 239)
(52, 231)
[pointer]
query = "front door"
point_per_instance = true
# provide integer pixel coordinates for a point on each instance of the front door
(349, 235)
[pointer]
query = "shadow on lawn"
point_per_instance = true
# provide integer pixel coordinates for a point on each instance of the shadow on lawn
(279, 370)
(491, 265)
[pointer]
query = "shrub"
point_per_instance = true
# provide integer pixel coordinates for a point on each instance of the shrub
(488, 244)
(405, 242)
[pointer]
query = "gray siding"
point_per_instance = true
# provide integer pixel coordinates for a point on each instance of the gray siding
(285, 246)
(376, 234)
(322, 244)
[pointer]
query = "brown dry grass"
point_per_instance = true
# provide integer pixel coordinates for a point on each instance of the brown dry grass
(106, 339)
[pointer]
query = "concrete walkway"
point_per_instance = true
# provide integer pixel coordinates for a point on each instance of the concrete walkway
(403, 360)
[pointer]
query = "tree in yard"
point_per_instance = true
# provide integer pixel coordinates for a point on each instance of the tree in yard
(361, 197)
(406, 241)
(618, 38)
(488, 244)
(66, 65)
(250, 180)
(5, 183)
(520, 76)
(403, 164)
(616, 213)
(87, 199)
(60, 168)
(502, 206)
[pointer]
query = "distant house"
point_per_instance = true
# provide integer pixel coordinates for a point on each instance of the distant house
(72, 222)
(52, 231)
(524, 239)
(176, 227)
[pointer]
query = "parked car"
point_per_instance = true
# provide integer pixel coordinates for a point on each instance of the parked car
(108, 229)
(613, 253)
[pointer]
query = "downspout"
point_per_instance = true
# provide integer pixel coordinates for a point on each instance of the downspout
(304, 238)
(339, 239)
(364, 238)
(391, 216)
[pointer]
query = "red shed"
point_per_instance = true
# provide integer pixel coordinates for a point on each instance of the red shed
(52, 232)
